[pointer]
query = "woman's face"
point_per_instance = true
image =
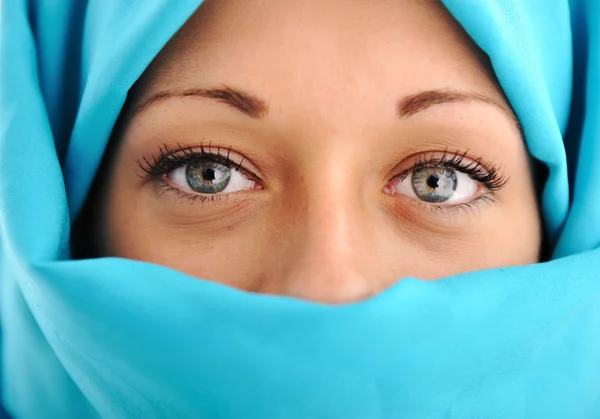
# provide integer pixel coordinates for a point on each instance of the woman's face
(318, 149)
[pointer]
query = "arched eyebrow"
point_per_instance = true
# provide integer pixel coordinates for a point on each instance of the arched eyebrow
(257, 108)
(413, 104)
(246, 103)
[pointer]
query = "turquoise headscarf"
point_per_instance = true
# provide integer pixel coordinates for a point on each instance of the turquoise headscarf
(116, 338)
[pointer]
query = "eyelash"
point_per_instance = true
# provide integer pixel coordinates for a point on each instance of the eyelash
(168, 160)
(487, 175)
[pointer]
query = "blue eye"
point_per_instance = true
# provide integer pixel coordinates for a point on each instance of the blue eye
(437, 184)
(434, 184)
(208, 178)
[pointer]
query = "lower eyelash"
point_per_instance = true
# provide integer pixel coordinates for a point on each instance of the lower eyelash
(472, 207)
(181, 196)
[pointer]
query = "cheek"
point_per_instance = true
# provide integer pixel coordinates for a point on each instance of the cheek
(221, 245)
(431, 245)
(236, 259)
(250, 255)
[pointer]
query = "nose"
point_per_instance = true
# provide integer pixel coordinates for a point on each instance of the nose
(328, 284)
(328, 254)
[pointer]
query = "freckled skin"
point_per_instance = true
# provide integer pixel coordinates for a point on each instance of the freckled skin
(322, 225)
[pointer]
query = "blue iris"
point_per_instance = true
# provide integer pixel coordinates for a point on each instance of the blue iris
(434, 184)
(207, 177)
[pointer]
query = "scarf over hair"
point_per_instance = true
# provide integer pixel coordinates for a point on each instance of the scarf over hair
(117, 338)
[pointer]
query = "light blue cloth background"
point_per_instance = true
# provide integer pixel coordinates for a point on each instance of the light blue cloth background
(121, 339)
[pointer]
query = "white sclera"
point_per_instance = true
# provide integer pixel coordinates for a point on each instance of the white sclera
(237, 182)
(466, 188)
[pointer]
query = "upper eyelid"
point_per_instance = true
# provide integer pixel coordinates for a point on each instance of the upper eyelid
(184, 155)
(408, 163)
(491, 172)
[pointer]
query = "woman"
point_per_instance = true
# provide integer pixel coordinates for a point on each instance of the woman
(342, 157)
(321, 151)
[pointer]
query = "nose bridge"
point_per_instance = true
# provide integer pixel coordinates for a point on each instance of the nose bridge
(333, 207)
(330, 243)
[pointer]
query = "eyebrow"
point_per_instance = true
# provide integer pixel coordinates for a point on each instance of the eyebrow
(244, 102)
(413, 104)
(257, 108)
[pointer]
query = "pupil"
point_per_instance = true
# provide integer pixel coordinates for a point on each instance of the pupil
(208, 174)
(433, 181)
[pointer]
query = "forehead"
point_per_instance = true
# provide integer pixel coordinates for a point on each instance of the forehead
(321, 49)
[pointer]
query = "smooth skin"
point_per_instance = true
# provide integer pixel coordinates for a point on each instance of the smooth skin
(326, 103)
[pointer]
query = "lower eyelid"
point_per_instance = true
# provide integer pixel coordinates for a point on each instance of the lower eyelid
(485, 198)
(418, 215)
(190, 197)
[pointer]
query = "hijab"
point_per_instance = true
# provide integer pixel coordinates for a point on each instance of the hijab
(117, 338)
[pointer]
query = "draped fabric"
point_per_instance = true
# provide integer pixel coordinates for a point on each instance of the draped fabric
(117, 338)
